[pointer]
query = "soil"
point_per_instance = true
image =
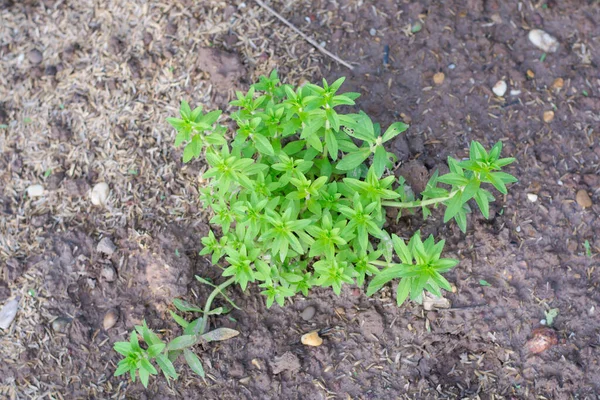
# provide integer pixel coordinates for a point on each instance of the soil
(84, 91)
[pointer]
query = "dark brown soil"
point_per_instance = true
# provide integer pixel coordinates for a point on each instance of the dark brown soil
(531, 254)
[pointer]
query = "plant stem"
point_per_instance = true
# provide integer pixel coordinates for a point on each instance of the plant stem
(418, 203)
(380, 263)
(209, 301)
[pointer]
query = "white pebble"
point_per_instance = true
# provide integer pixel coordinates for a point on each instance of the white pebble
(372, 32)
(532, 197)
(99, 194)
(543, 41)
(35, 191)
(515, 92)
(500, 88)
(8, 313)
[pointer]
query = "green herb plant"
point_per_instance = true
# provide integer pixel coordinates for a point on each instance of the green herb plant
(299, 194)
(300, 190)
(139, 359)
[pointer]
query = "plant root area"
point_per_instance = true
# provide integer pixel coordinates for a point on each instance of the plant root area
(85, 87)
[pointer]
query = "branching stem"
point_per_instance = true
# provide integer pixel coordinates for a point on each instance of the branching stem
(419, 203)
(214, 293)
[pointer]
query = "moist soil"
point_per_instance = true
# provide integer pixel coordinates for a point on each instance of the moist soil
(92, 108)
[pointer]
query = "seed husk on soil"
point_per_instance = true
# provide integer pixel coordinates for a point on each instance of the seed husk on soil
(311, 339)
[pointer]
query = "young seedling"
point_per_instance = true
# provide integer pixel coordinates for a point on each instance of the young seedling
(138, 359)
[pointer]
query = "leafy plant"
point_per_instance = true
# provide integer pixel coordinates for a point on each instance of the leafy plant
(139, 359)
(299, 197)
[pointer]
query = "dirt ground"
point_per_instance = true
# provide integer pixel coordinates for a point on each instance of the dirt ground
(85, 88)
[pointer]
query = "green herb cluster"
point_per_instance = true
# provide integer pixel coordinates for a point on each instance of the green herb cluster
(139, 358)
(299, 194)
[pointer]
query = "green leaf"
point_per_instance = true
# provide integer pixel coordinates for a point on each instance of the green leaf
(453, 179)
(194, 362)
(453, 207)
(461, 220)
(332, 144)
(402, 250)
(181, 342)
(185, 110)
(166, 366)
(394, 130)
(483, 203)
(220, 334)
(123, 368)
(123, 348)
(483, 282)
(148, 367)
(403, 290)
(263, 145)
(470, 190)
(144, 376)
(180, 321)
(380, 160)
(353, 160)
(155, 349)
(477, 152)
(497, 182)
(384, 276)
(184, 306)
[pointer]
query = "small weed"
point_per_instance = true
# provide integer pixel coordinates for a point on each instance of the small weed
(551, 315)
(588, 248)
(483, 282)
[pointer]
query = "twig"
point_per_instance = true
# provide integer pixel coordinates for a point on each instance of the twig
(309, 40)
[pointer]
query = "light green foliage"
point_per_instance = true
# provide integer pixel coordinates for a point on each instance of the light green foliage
(300, 193)
(551, 314)
(140, 360)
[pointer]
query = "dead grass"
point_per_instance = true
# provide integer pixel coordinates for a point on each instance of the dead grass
(92, 110)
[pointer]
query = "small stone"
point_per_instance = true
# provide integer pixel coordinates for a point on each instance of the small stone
(108, 273)
(500, 88)
(451, 66)
(515, 92)
(532, 197)
(373, 32)
(583, 198)
(311, 339)
(287, 362)
(542, 340)
(110, 319)
(548, 116)
(106, 246)
(530, 74)
(438, 78)
(35, 191)
(99, 194)
(543, 40)
(60, 324)
(431, 302)
(308, 313)
(558, 83)
(8, 313)
(35, 56)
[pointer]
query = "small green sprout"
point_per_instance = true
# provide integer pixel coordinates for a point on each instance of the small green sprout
(588, 248)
